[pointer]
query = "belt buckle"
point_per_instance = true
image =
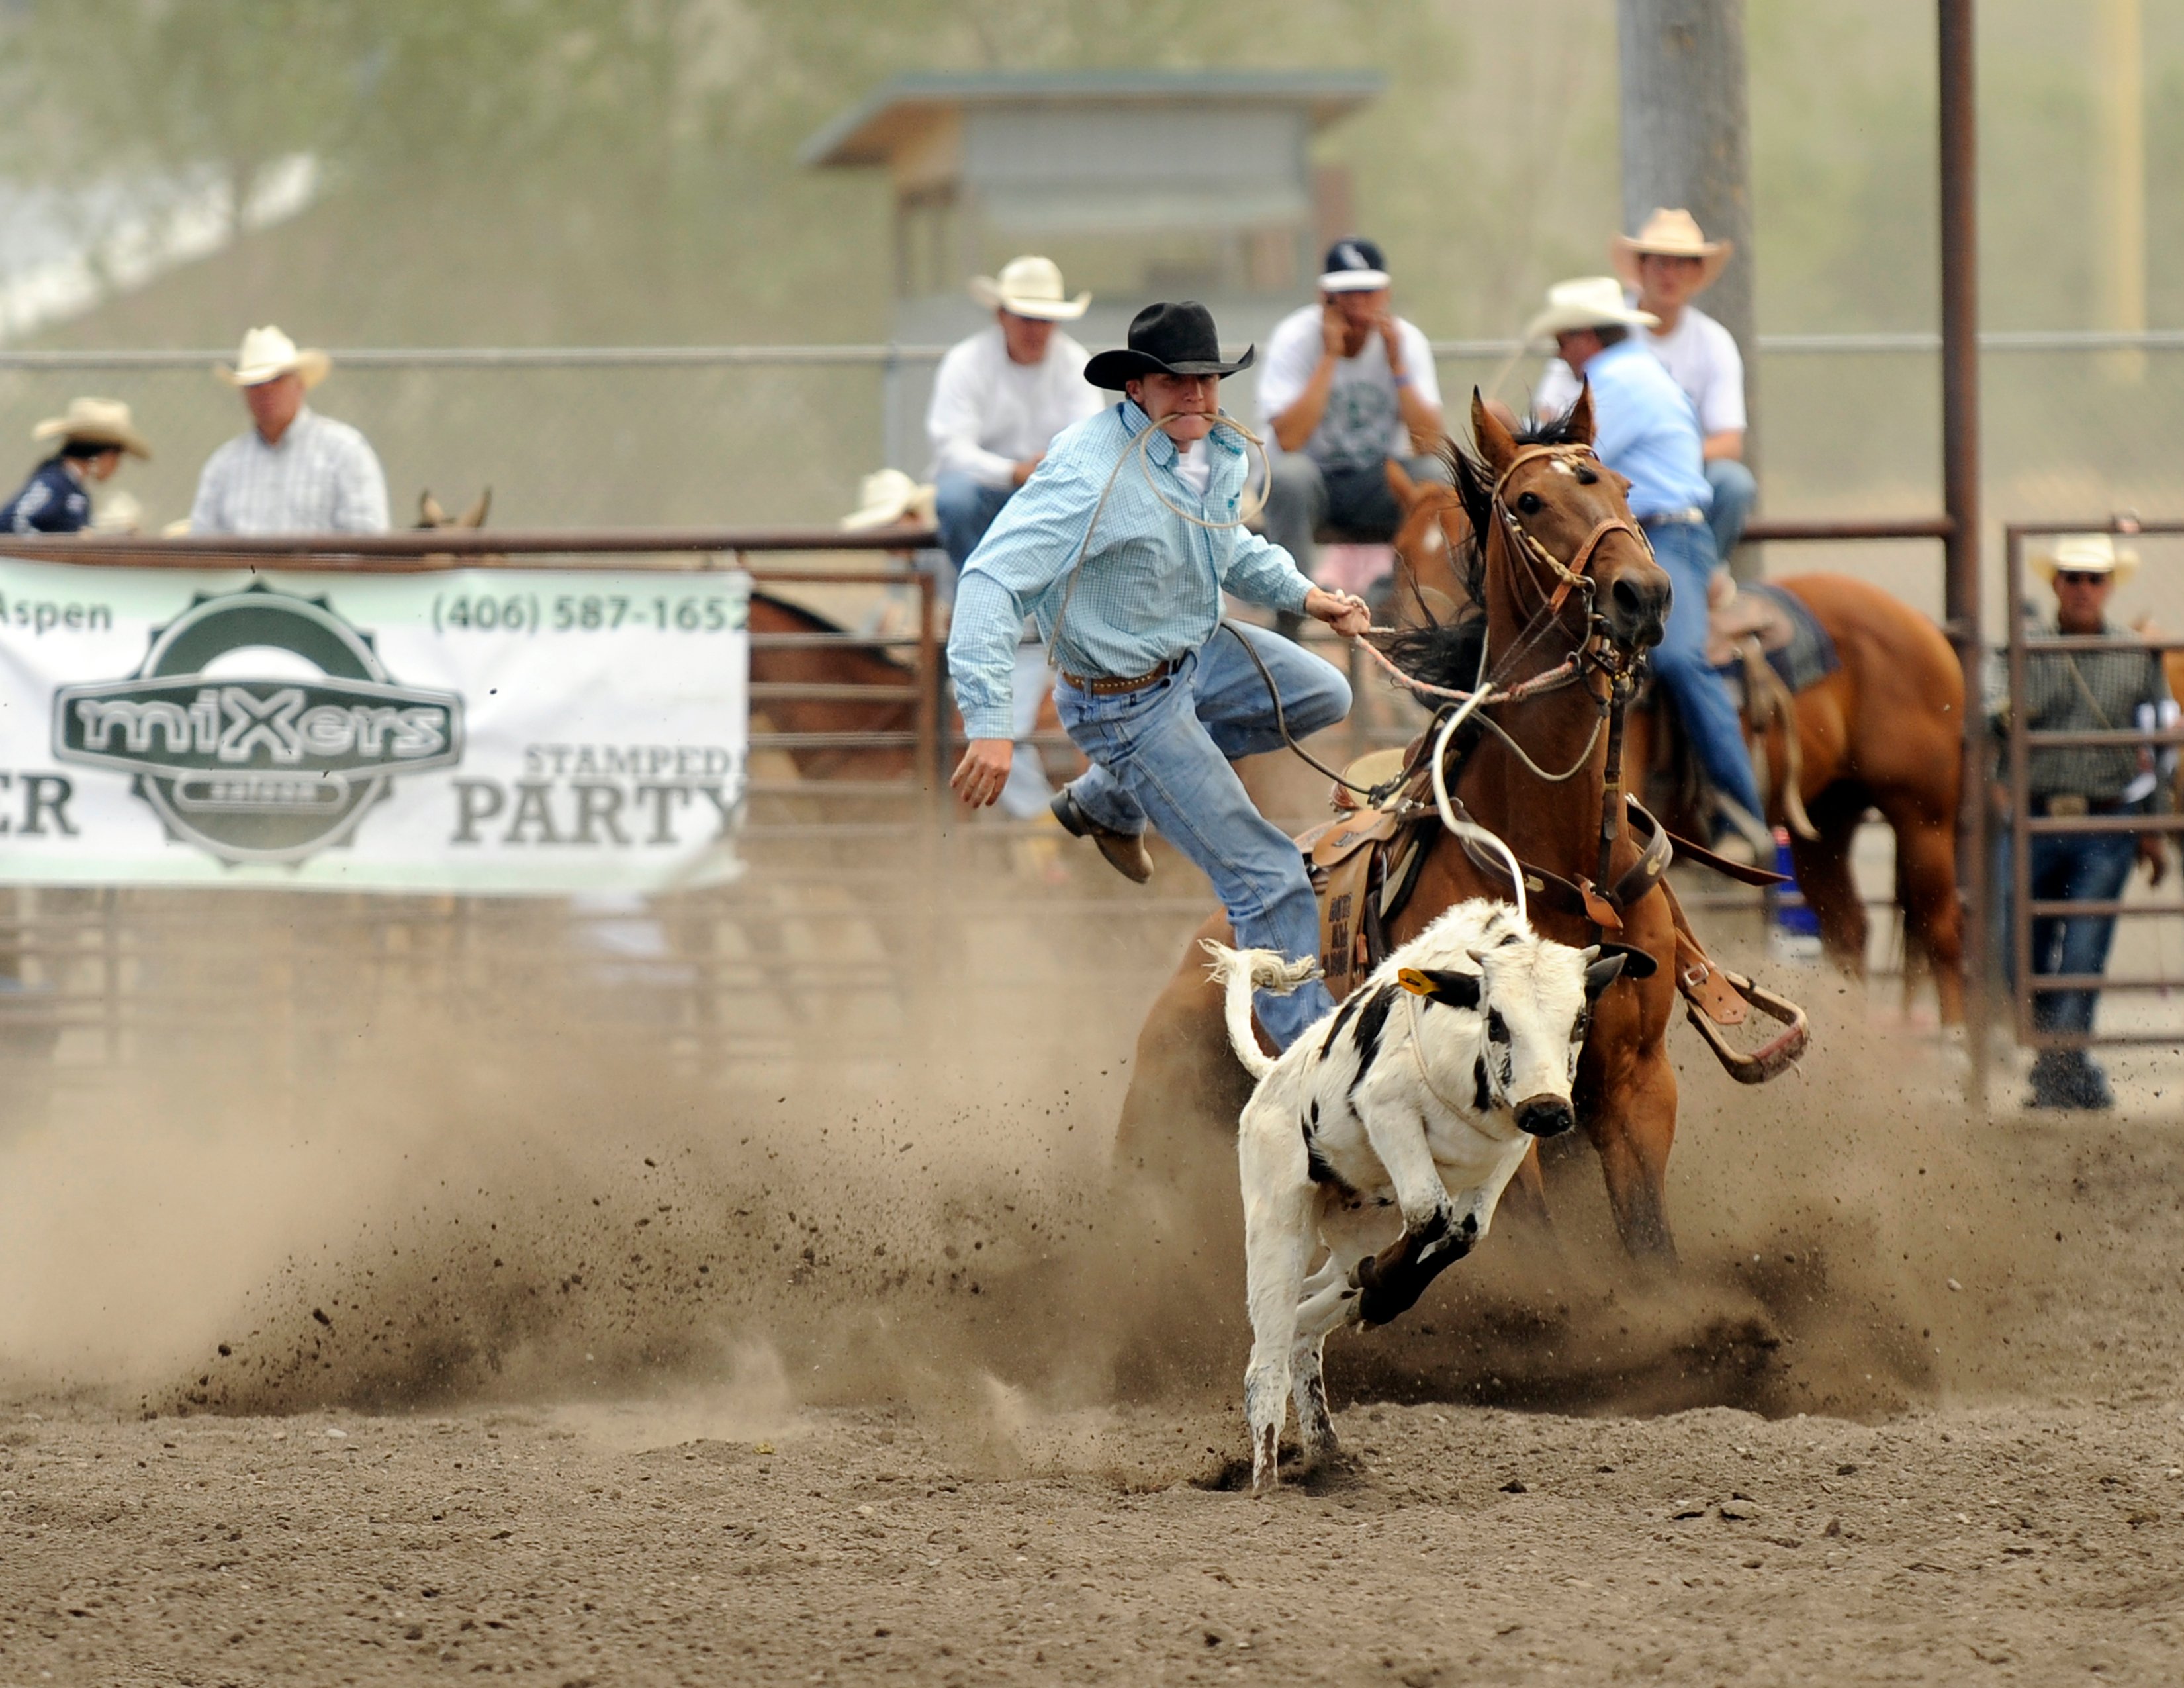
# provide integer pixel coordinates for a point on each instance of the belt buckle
(2070, 805)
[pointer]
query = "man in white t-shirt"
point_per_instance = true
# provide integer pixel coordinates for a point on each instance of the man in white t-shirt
(1001, 395)
(1665, 266)
(1346, 385)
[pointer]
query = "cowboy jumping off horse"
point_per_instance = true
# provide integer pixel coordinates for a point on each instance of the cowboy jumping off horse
(1120, 545)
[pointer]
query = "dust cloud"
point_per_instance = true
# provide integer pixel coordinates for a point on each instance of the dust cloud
(531, 1213)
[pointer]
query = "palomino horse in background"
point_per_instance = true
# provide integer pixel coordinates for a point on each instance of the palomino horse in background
(1879, 733)
(1547, 486)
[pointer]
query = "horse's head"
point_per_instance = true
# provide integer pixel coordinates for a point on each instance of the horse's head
(1563, 499)
(1432, 548)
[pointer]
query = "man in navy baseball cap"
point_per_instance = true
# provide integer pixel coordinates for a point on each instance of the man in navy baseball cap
(1347, 386)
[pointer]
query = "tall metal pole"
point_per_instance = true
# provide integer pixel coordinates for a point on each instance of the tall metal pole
(1960, 481)
(1686, 138)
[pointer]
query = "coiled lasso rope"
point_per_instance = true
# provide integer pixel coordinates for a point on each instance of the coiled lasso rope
(1137, 448)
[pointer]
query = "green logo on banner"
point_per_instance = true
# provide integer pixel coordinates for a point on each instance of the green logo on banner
(251, 768)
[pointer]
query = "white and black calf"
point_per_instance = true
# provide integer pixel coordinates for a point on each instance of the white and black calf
(1388, 1131)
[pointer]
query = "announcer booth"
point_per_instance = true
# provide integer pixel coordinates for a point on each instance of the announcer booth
(1140, 184)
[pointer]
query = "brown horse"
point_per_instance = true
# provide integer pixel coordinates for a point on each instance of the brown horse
(1538, 489)
(816, 668)
(1879, 733)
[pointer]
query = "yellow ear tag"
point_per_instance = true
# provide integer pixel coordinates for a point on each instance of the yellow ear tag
(1414, 981)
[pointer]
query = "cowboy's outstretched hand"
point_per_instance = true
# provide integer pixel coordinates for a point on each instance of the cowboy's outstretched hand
(1348, 616)
(984, 769)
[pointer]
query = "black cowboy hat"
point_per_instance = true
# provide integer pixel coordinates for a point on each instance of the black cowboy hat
(1166, 339)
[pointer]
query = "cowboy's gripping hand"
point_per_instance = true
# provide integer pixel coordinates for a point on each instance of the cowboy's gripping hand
(1348, 616)
(984, 769)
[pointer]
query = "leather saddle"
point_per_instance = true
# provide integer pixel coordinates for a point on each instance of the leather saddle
(1735, 617)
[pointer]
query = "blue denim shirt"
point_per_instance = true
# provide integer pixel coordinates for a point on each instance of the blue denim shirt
(1151, 583)
(1644, 426)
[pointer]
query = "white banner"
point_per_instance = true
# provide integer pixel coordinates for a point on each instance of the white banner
(489, 730)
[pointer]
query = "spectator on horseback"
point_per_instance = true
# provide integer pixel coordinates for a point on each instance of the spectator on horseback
(295, 472)
(1647, 431)
(1347, 386)
(1001, 395)
(93, 433)
(1120, 547)
(1665, 266)
(2093, 691)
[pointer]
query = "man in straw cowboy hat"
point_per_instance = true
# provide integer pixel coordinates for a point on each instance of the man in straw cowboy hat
(1120, 546)
(1348, 385)
(2093, 691)
(1000, 397)
(295, 472)
(93, 434)
(1647, 432)
(1666, 265)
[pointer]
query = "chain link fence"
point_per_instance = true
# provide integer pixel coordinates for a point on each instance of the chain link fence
(1850, 425)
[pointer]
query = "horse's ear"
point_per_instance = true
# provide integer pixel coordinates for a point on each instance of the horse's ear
(1580, 414)
(476, 515)
(1497, 444)
(429, 513)
(1400, 484)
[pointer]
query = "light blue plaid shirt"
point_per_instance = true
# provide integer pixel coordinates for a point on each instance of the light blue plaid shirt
(1151, 581)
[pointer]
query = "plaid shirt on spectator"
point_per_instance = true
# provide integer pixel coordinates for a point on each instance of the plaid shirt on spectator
(2093, 691)
(322, 478)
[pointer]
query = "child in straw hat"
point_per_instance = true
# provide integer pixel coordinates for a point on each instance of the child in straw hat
(94, 436)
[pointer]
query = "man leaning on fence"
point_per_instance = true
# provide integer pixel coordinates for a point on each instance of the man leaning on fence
(2090, 691)
(294, 471)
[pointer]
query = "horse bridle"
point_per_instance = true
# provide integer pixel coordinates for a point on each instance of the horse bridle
(1598, 650)
(1573, 575)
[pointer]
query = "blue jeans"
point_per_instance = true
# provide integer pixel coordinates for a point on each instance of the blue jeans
(2081, 868)
(1734, 490)
(963, 511)
(1685, 550)
(1163, 754)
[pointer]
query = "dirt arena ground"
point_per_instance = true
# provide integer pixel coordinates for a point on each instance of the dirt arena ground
(507, 1366)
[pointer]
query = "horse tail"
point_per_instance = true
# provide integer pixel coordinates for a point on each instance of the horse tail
(1241, 972)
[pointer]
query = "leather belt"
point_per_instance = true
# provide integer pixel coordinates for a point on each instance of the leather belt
(1685, 517)
(1110, 688)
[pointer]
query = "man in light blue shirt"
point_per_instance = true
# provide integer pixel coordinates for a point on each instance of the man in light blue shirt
(1119, 546)
(1645, 429)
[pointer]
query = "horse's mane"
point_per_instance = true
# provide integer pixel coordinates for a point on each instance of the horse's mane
(1449, 655)
(1475, 485)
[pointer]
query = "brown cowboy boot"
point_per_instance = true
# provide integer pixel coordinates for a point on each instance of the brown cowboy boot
(1126, 852)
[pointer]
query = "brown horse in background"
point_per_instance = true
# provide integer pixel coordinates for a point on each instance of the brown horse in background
(1554, 492)
(1882, 732)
